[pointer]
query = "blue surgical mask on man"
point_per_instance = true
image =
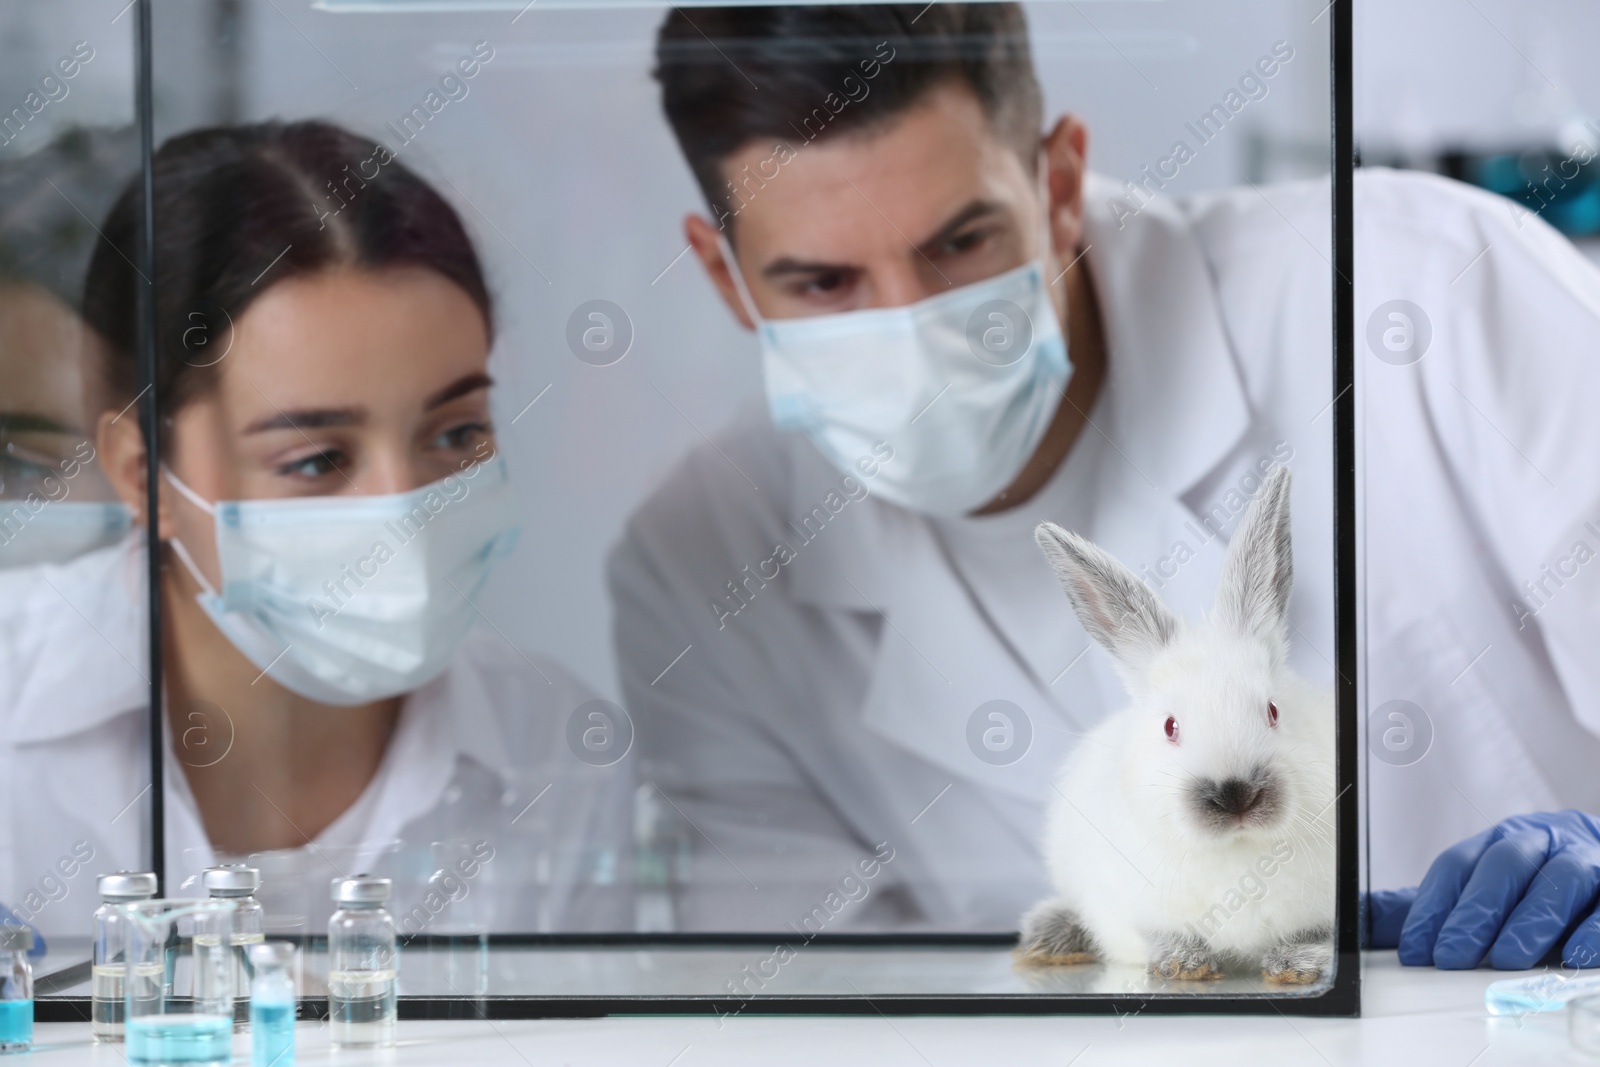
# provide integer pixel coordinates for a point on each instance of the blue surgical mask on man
(350, 599)
(962, 385)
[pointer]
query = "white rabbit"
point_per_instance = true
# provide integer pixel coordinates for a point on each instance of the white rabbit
(1195, 827)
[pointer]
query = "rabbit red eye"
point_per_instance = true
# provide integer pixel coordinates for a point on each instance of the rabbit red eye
(1272, 714)
(1172, 729)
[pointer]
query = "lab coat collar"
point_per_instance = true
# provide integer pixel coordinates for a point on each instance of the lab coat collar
(460, 711)
(1175, 404)
(105, 590)
(1172, 370)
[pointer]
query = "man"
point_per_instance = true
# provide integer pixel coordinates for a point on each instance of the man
(865, 655)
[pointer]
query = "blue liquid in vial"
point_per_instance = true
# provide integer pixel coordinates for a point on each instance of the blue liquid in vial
(272, 1034)
(180, 1038)
(16, 1025)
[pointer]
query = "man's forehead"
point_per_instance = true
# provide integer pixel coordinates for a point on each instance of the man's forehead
(890, 184)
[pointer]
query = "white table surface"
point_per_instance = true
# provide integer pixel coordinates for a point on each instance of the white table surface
(1413, 1016)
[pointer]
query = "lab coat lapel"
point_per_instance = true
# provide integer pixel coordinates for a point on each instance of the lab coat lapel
(1174, 394)
(1173, 410)
(937, 659)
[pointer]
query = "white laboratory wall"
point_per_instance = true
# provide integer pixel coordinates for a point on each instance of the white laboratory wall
(33, 38)
(1485, 74)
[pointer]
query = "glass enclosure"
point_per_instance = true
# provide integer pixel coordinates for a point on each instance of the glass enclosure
(74, 658)
(766, 506)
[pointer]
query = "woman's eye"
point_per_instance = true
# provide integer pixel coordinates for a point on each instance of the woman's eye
(19, 476)
(463, 436)
(315, 465)
(1172, 729)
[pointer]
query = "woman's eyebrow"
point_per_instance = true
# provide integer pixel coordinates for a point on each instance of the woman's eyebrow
(308, 419)
(27, 422)
(469, 383)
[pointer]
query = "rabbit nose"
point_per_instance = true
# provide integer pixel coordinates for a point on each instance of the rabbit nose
(1236, 796)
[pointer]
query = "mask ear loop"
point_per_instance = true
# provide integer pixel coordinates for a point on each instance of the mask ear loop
(738, 279)
(1046, 230)
(177, 545)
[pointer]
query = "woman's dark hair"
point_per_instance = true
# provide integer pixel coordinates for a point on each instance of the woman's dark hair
(47, 199)
(238, 208)
(733, 75)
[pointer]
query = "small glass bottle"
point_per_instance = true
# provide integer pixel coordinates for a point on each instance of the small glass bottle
(272, 1001)
(16, 989)
(239, 883)
(109, 967)
(363, 963)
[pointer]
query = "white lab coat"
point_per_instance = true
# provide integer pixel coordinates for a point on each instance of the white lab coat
(832, 711)
(479, 756)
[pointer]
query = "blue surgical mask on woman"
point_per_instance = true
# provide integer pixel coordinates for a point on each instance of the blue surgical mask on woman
(350, 599)
(35, 530)
(962, 385)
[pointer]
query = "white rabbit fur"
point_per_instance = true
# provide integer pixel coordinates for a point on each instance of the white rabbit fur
(1148, 870)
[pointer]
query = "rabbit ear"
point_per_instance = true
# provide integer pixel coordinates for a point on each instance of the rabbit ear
(1259, 569)
(1117, 609)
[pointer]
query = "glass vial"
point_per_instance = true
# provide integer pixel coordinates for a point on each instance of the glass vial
(16, 989)
(239, 883)
(272, 999)
(109, 966)
(363, 962)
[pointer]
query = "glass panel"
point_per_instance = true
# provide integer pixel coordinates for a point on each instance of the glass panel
(607, 502)
(1475, 318)
(74, 763)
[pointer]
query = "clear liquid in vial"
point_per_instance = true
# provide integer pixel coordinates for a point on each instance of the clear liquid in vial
(361, 1007)
(243, 975)
(107, 1006)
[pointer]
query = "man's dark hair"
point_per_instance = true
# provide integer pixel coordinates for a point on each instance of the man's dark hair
(733, 75)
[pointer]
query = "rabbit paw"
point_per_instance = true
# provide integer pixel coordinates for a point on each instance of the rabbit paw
(1183, 958)
(1301, 960)
(1053, 935)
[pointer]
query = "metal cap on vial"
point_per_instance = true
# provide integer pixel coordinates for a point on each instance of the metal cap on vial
(231, 880)
(361, 889)
(124, 886)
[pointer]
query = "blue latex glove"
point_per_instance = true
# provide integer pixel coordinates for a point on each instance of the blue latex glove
(1386, 915)
(9, 918)
(1511, 893)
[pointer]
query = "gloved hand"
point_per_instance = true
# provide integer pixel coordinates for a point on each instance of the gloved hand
(1512, 893)
(9, 918)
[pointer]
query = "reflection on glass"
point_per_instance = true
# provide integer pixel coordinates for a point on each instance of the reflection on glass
(74, 778)
(55, 500)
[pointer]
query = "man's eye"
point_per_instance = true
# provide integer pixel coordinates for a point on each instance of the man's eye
(825, 284)
(966, 242)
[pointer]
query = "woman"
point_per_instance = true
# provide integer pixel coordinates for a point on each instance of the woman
(331, 503)
(54, 503)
